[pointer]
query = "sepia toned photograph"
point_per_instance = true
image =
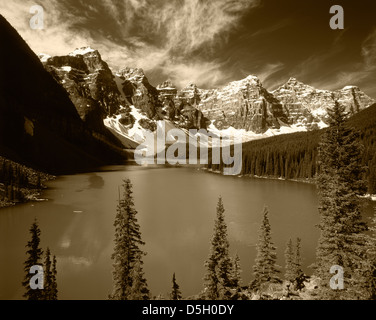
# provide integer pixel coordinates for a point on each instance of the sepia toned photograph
(198, 151)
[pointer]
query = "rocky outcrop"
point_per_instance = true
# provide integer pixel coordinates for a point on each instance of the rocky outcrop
(39, 124)
(307, 106)
(181, 106)
(89, 83)
(242, 104)
(140, 93)
(126, 97)
(247, 105)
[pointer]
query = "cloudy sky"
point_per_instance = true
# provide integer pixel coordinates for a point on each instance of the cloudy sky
(212, 42)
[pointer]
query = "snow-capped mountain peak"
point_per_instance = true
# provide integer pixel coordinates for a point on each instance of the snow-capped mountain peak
(82, 51)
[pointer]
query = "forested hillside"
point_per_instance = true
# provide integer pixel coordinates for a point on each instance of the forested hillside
(19, 183)
(294, 156)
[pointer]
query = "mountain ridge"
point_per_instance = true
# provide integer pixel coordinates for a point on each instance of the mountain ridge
(241, 107)
(39, 125)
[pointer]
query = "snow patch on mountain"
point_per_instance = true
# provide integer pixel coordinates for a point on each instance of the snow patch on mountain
(81, 51)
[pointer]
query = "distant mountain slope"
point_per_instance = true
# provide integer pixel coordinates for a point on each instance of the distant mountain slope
(294, 156)
(247, 105)
(39, 125)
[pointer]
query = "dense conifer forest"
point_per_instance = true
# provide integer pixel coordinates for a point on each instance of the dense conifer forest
(19, 183)
(295, 156)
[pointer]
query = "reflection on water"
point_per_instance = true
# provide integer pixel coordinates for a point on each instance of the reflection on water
(176, 211)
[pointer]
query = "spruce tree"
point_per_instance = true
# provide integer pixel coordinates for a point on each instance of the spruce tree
(175, 293)
(34, 253)
(139, 289)
(218, 275)
(265, 269)
(293, 264)
(300, 277)
(372, 175)
(339, 186)
(236, 271)
(127, 254)
(371, 259)
(48, 276)
(54, 291)
(298, 257)
(289, 262)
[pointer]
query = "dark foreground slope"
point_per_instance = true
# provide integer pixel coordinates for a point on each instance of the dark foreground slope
(294, 156)
(39, 125)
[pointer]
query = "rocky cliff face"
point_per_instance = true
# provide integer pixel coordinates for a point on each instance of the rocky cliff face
(39, 125)
(182, 106)
(244, 105)
(306, 106)
(89, 83)
(247, 105)
(124, 101)
(128, 104)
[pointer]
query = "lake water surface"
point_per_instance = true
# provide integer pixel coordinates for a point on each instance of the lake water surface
(176, 211)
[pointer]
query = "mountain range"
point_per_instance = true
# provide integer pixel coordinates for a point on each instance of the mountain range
(129, 104)
(73, 112)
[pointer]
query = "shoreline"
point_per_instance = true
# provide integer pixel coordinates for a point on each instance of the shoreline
(370, 197)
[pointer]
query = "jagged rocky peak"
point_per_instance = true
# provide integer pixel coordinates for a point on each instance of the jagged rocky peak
(167, 85)
(132, 74)
(190, 94)
(85, 59)
(295, 94)
(353, 98)
(83, 51)
(167, 90)
(293, 85)
(89, 83)
(243, 104)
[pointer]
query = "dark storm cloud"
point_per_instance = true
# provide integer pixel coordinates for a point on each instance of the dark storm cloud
(213, 42)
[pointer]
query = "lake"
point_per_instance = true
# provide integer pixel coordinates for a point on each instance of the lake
(176, 211)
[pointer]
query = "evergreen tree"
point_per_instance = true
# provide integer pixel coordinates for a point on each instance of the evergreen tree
(300, 277)
(54, 291)
(218, 275)
(265, 269)
(127, 254)
(289, 262)
(47, 291)
(371, 258)
(339, 185)
(175, 293)
(372, 176)
(139, 289)
(236, 271)
(298, 258)
(293, 267)
(34, 253)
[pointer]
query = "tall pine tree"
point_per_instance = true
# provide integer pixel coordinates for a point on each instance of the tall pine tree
(175, 292)
(127, 256)
(139, 289)
(339, 186)
(54, 291)
(265, 269)
(236, 271)
(34, 253)
(293, 264)
(50, 284)
(218, 275)
(47, 292)
(289, 262)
